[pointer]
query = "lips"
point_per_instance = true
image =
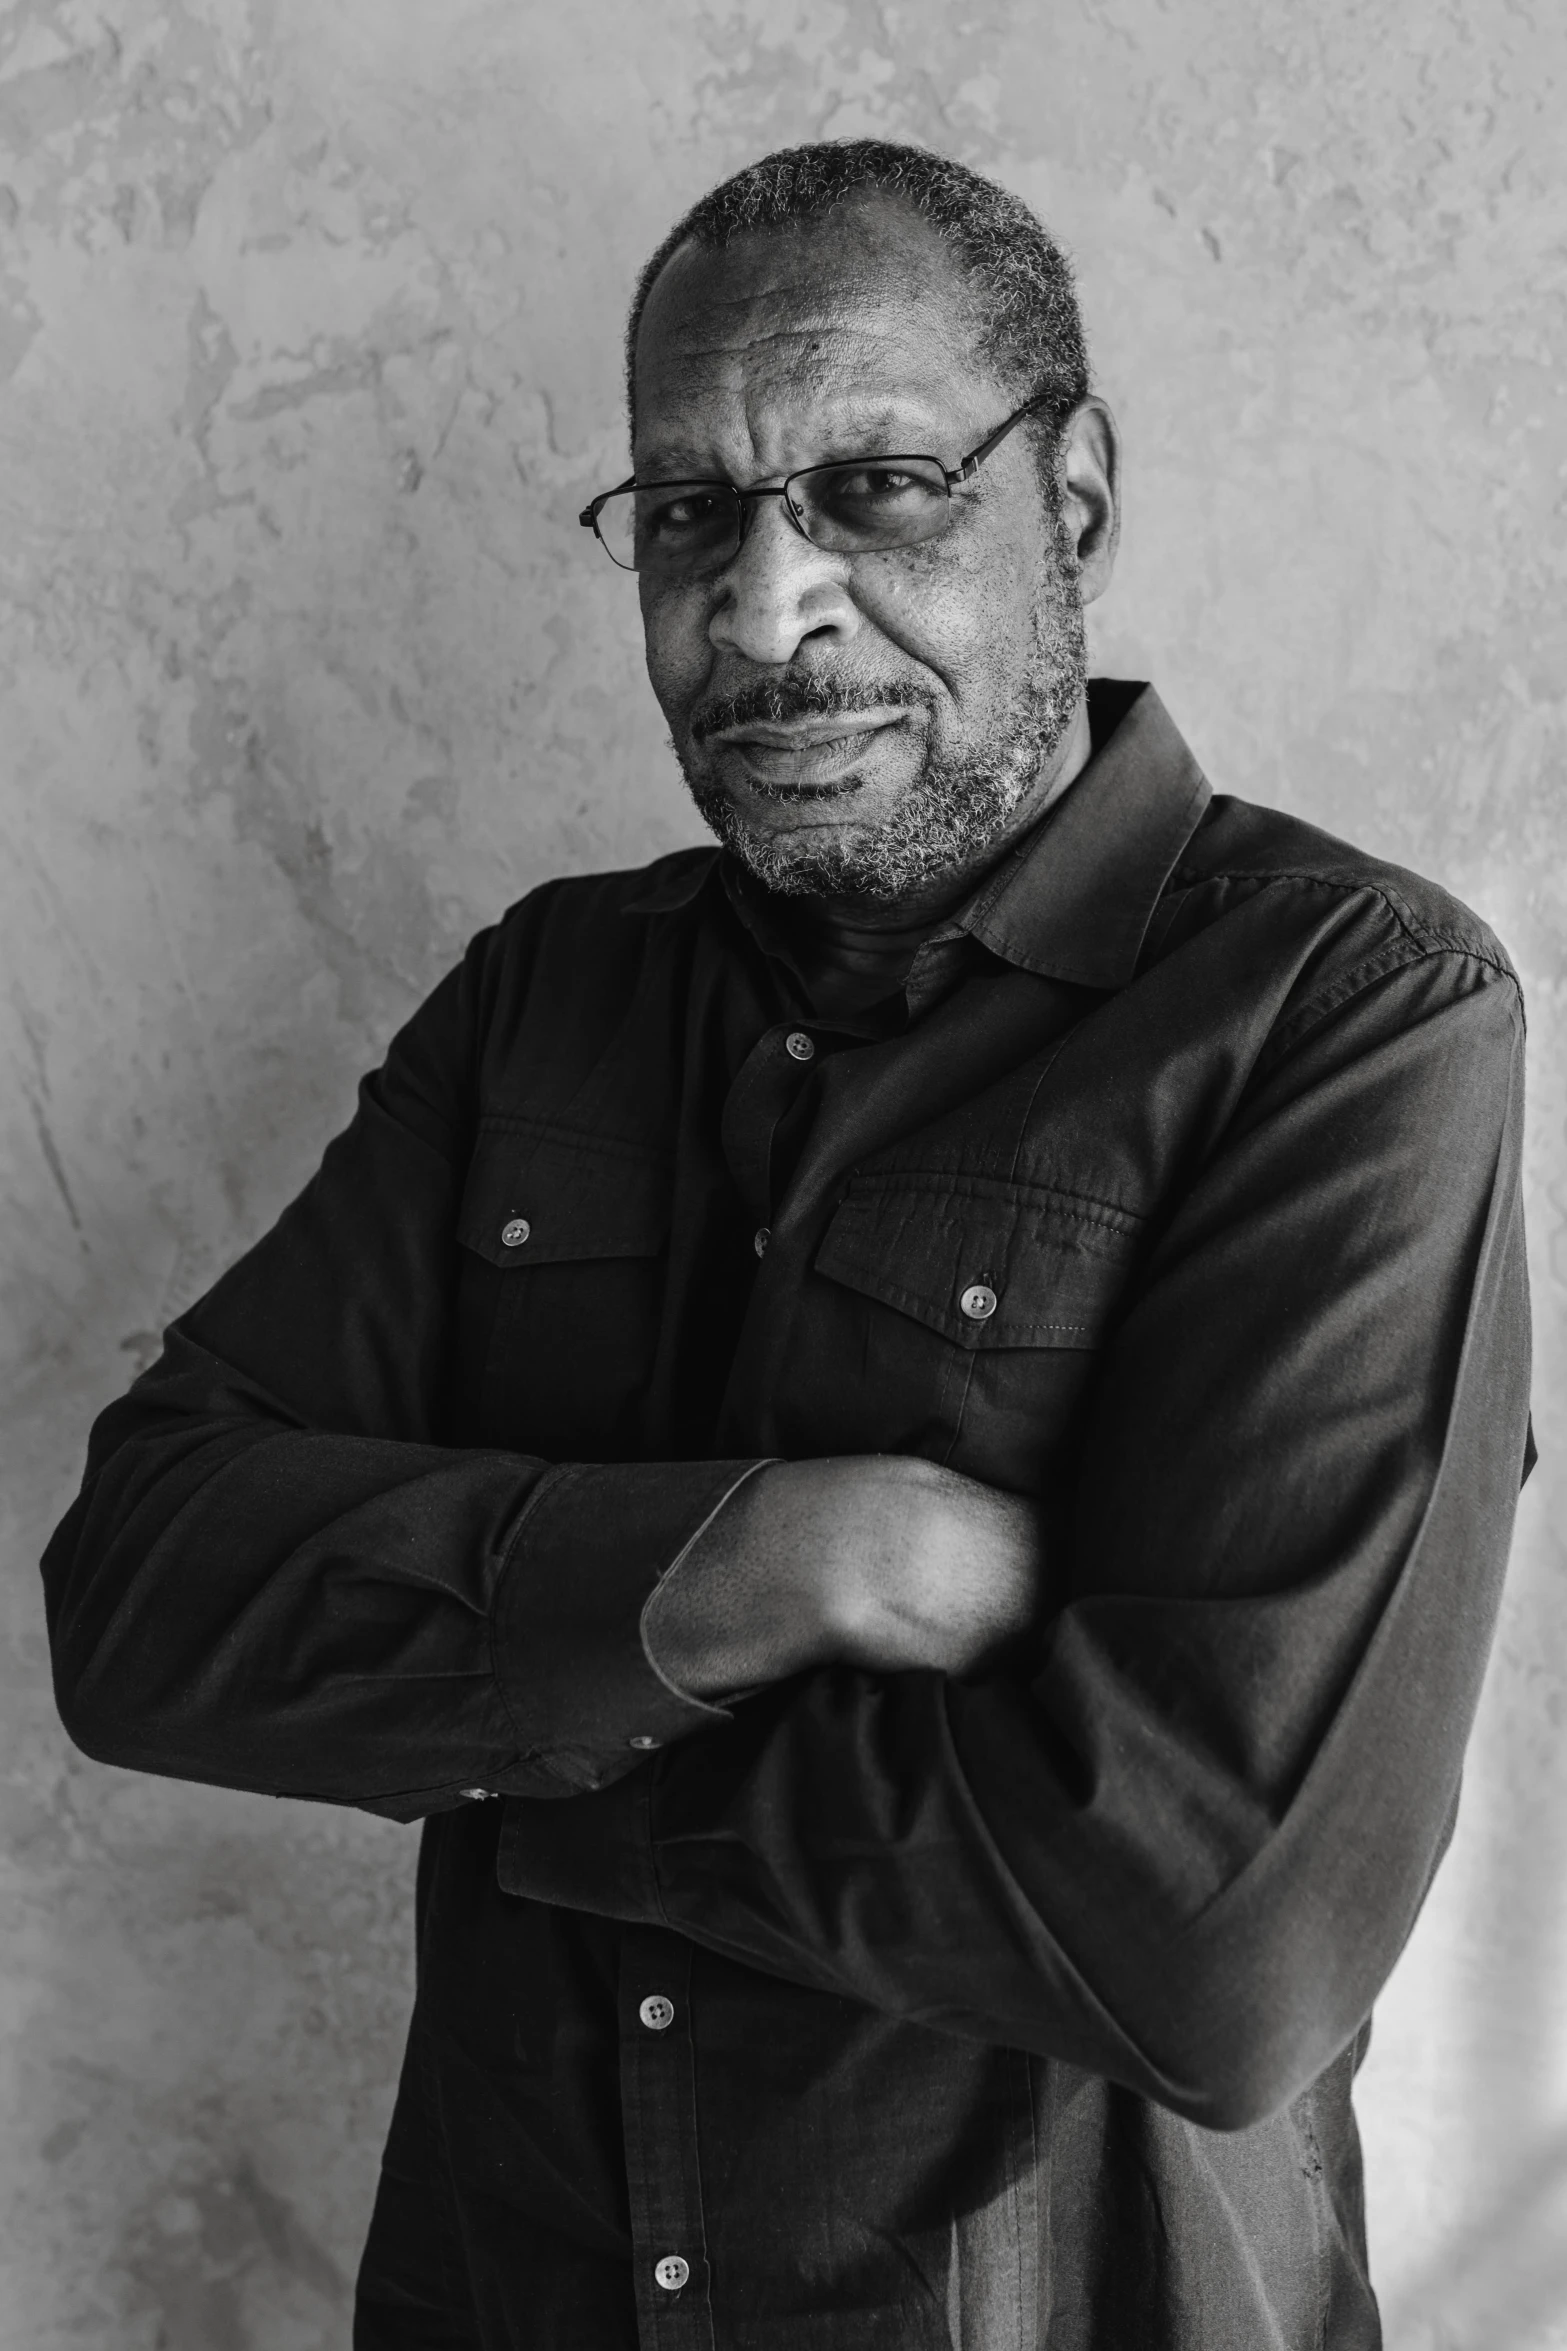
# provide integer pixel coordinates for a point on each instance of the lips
(799, 734)
(805, 755)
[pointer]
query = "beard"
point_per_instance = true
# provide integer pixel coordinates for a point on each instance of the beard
(957, 804)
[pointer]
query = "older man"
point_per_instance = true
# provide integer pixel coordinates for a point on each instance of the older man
(932, 1399)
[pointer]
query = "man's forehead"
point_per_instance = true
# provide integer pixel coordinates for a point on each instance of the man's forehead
(868, 320)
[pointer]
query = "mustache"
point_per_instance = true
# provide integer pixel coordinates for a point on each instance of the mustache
(803, 695)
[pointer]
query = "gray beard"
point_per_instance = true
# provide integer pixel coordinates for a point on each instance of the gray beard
(955, 807)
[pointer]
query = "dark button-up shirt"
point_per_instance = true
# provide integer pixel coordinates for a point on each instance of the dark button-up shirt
(1179, 1188)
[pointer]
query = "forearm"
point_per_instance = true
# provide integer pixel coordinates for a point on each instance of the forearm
(881, 1561)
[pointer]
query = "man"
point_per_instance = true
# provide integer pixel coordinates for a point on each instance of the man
(932, 1400)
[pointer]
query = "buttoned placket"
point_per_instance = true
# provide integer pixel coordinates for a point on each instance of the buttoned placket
(663, 2167)
(764, 1091)
(789, 1055)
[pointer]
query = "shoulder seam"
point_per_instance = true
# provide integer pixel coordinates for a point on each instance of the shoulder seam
(1425, 936)
(1356, 981)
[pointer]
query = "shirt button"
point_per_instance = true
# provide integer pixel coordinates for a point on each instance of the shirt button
(514, 1232)
(672, 2272)
(657, 2013)
(763, 1235)
(978, 1302)
(800, 1046)
(643, 1741)
(478, 1795)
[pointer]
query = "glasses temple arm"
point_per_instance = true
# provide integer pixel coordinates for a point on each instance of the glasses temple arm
(976, 457)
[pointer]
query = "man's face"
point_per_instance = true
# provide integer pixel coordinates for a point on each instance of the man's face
(851, 724)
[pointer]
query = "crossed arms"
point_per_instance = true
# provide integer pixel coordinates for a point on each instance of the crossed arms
(1180, 1842)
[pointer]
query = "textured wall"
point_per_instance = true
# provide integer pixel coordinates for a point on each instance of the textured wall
(308, 356)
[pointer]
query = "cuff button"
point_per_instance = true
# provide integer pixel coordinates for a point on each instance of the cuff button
(644, 1742)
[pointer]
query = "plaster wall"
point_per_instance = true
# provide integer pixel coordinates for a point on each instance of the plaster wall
(309, 318)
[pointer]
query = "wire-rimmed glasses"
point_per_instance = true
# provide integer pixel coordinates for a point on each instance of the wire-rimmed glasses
(857, 506)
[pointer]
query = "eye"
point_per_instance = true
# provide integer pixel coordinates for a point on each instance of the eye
(877, 485)
(876, 502)
(667, 517)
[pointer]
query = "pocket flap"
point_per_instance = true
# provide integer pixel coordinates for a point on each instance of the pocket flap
(540, 1196)
(1055, 1265)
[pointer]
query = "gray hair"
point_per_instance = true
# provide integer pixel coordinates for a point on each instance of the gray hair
(1030, 325)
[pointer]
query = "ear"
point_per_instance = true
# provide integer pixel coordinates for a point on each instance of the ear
(1089, 469)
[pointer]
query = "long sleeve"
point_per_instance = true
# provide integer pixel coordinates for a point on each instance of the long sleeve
(280, 1576)
(1185, 1849)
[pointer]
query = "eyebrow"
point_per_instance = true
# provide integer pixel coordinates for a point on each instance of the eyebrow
(873, 432)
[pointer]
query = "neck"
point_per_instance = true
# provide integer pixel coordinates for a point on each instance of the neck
(942, 893)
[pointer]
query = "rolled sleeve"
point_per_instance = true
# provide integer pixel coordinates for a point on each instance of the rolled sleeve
(571, 1657)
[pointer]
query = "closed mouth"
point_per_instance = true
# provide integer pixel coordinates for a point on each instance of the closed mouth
(808, 733)
(819, 757)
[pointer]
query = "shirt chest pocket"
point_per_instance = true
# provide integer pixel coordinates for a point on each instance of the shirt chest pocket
(962, 1318)
(562, 1248)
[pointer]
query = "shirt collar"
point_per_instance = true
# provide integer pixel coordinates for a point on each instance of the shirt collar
(1074, 900)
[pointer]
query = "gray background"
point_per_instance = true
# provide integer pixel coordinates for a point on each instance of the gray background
(309, 313)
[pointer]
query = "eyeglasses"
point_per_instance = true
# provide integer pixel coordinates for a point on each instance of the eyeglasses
(860, 506)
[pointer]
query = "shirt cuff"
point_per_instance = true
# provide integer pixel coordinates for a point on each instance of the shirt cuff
(571, 1662)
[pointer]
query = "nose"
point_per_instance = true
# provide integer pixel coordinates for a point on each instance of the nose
(779, 591)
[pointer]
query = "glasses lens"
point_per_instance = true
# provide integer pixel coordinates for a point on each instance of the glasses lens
(880, 502)
(671, 527)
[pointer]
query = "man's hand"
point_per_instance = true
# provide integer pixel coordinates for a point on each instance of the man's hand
(873, 1560)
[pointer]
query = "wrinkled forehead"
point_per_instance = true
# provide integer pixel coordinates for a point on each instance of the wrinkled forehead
(842, 328)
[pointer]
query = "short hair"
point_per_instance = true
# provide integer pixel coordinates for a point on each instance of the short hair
(1031, 328)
